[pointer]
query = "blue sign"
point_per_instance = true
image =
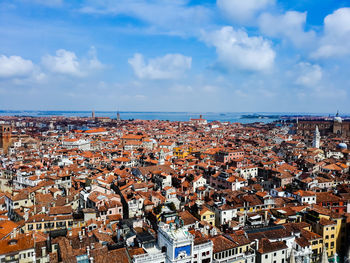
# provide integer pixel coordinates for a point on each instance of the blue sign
(185, 249)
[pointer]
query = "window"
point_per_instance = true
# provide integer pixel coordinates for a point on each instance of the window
(274, 254)
(266, 256)
(282, 252)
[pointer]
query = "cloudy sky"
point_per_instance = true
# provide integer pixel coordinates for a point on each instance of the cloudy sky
(175, 55)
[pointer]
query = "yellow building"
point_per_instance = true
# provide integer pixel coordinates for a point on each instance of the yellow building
(207, 215)
(181, 152)
(316, 242)
(46, 223)
(325, 226)
(328, 230)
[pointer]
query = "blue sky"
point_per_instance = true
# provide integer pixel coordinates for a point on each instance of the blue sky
(175, 55)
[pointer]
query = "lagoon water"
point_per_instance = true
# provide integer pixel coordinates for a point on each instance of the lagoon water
(242, 117)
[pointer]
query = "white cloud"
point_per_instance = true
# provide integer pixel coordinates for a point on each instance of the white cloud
(289, 26)
(166, 16)
(93, 62)
(309, 74)
(210, 88)
(67, 63)
(336, 39)
(235, 49)
(182, 89)
(140, 97)
(243, 11)
(51, 3)
(167, 67)
(15, 66)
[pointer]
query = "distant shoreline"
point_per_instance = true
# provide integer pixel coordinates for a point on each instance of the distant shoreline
(240, 117)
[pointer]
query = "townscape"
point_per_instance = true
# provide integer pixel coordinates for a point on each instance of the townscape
(98, 189)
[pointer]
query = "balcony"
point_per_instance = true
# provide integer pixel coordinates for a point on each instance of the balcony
(144, 258)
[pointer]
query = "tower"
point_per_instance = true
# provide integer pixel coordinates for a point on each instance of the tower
(118, 116)
(337, 124)
(5, 137)
(93, 115)
(161, 159)
(317, 138)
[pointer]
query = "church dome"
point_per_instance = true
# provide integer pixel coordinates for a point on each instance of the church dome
(338, 119)
(342, 145)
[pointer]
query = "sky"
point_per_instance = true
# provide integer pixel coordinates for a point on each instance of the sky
(175, 55)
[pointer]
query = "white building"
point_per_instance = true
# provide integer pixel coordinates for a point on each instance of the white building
(268, 252)
(248, 172)
(224, 214)
(81, 144)
(176, 244)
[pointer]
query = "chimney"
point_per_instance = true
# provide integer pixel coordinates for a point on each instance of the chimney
(88, 251)
(91, 260)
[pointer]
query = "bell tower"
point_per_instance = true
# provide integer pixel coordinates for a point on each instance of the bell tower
(316, 139)
(5, 137)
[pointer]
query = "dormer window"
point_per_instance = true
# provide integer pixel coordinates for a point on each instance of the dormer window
(12, 242)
